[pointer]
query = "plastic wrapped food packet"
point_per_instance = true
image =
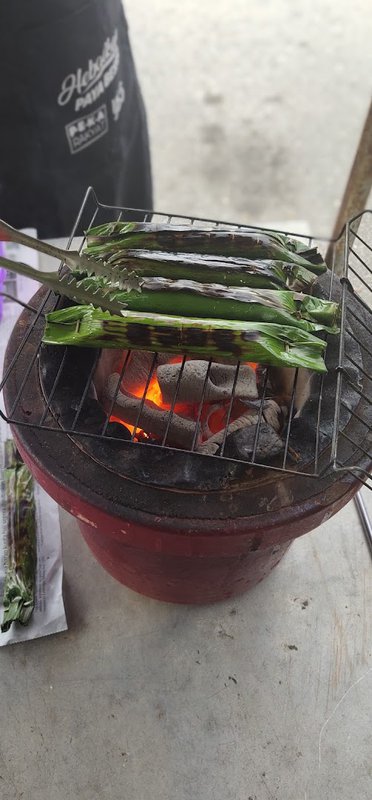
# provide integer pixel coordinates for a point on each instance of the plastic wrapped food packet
(19, 584)
(48, 615)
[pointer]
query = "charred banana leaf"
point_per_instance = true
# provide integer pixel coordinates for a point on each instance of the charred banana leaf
(228, 270)
(190, 298)
(104, 240)
(260, 342)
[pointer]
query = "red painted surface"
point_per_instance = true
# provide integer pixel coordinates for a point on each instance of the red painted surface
(180, 565)
(181, 578)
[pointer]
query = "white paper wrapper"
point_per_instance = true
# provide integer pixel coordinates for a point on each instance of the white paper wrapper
(49, 614)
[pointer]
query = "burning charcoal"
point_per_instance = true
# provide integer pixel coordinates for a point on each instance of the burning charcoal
(118, 431)
(240, 444)
(108, 362)
(91, 416)
(272, 412)
(194, 384)
(213, 419)
(148, 416)
(91, 419)
(148, 438)
(211, 446)
(138, 367)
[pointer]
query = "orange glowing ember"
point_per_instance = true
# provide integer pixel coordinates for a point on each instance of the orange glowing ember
(217, 420)
(153, 392)
(121, 422)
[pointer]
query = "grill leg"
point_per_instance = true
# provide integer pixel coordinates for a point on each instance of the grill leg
(364, 518)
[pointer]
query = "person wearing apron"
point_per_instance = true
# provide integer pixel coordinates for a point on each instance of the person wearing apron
(71, 113)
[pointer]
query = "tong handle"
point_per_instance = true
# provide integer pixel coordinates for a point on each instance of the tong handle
(66, 285)
(69, 257)
(28, 272)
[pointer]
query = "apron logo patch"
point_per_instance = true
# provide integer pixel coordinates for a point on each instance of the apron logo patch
(86, 86)
(86, 130)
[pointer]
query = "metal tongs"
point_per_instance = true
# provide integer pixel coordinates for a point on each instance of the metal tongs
(63, 282)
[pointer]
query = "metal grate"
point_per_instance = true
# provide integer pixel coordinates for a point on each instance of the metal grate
(340, 453)
(356, 326)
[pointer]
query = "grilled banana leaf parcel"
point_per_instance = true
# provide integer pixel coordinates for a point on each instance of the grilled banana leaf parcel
(104, 240)
(228, 270)
(260, 342)
(19, 585)
(190, 298)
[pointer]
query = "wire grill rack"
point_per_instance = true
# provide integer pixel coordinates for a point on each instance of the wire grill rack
(356, 241)
(356, 326)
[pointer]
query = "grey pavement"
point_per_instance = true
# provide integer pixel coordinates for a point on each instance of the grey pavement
(255, 108)
(266, 697)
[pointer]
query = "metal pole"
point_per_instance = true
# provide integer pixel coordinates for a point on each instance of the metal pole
(364, 518)
(356, 192)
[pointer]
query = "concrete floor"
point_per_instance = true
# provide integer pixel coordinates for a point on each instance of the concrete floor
(254, 112)
(268, 697)
(255, 108)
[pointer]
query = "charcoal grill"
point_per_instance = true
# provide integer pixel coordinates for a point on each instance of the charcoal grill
(211, 526)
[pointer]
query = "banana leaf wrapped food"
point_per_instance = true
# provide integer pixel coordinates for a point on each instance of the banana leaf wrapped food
(105, 240)
(231, 294)
(228, 270)
(19, 584)
(189, 298)
(260, 342)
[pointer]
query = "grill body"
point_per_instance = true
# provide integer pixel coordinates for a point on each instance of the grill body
(172, 524)
(201, 542)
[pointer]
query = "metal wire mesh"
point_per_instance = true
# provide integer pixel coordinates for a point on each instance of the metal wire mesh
(356, 326)
(355, 280)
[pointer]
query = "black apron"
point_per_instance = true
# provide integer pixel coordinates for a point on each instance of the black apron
(71, 112)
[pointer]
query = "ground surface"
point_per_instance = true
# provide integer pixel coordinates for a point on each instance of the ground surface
(254, 108)
(268, 697)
